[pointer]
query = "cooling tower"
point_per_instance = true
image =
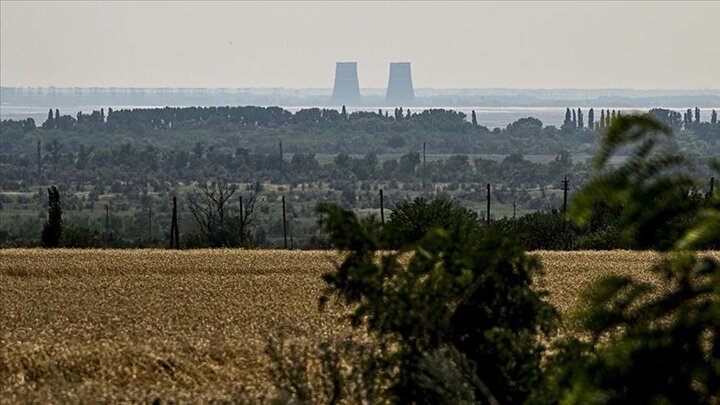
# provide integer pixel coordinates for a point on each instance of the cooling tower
(400, 87)
(346, 89)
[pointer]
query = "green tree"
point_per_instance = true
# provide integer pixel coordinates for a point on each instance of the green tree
(580, 121)
(444, 302)
(474, 118)
(52, 229)
(410, 221)
(644, 343)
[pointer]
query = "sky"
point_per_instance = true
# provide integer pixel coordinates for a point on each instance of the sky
(639, 45)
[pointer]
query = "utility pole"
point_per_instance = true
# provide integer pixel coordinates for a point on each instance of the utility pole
(487, 218)
(242, 224)
(174, 232)
(424, 156)
(172, 227)
(107, 222)
(39, 161)
(382, 208)
(149, 222)
(281, 151)
(424, 174)
(565, 193)
(285, 239)
(514, 209)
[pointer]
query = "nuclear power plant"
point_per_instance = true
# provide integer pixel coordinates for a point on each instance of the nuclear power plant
(346, 88)
(400, 87)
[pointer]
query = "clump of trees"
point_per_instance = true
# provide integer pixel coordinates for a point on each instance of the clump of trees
(458, 319)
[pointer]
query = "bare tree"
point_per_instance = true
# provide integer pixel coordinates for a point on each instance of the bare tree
(211, 209)
(247, 211)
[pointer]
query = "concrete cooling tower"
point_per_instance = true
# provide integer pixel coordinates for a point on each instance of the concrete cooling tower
(400, 87)
(346, 89)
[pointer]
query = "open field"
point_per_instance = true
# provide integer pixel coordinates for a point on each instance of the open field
(89, 325)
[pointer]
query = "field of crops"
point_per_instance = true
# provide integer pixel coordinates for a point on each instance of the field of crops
(80, 325)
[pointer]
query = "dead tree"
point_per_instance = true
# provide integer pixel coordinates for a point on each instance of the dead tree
(247, 212)
(209, 207)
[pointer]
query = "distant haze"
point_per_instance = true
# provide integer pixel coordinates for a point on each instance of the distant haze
(651, 45)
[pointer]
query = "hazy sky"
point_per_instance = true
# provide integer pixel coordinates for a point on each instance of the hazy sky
(451, 45)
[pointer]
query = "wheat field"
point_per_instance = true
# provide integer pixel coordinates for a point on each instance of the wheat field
(136, 325)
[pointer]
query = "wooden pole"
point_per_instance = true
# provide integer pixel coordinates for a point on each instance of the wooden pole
(487, 218)
(172, 227)
(382, 208)
(285, 238)
(242, 224)
(150, 222)
(107, 222)
(565, 194)
(514, 209)
(175, 222)
(39, 161)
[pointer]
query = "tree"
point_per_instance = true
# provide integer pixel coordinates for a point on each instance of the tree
(644, 342)
(410, 221)
(580, 122)
(568, 117)
(209, 209)
(52, 229)
(343, 113)
(49, 124)
(474, 118)
(444, 300)
(591, 119)
(697, 115)
(602, 118)
(247, 213)
(574, 118)
(713, 117)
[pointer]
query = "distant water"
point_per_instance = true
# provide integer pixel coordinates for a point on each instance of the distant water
(490, 117)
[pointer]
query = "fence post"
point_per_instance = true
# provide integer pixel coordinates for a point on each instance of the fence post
(285, 241)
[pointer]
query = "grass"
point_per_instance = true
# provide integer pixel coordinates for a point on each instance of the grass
(135, 325)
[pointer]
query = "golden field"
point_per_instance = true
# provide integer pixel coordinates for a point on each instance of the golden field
(135, 325)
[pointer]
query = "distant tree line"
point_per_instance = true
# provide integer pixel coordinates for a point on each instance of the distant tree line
(317, 130)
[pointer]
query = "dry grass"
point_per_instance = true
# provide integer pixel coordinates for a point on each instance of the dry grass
(103, 325)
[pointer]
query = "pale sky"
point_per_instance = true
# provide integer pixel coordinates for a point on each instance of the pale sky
(644, 45)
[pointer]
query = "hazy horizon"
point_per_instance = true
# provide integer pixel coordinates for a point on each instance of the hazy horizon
(554, 46)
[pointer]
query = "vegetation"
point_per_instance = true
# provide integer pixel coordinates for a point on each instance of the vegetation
(52, 230)
(135, 162)
(189, 325)
(465, 304)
